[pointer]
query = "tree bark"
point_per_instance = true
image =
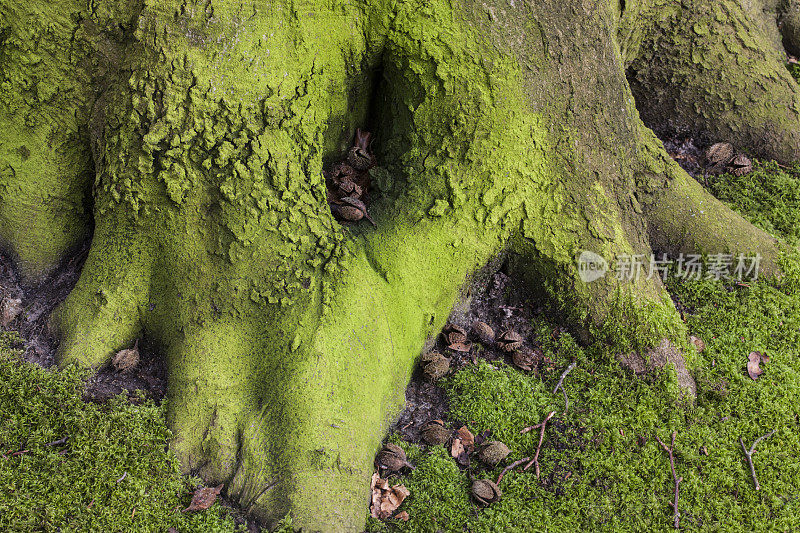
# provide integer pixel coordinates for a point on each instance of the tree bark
(502, 127)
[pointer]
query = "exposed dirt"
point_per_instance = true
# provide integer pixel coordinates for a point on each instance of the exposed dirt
(493, 298)
(38, 303)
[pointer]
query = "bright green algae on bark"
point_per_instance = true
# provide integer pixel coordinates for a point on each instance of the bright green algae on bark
(289, 338)
(44, 153)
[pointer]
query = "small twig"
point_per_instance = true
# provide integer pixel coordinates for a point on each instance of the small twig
(19, 453)
(563, 375)
(535, 460)
(674, 476)
(512, 466)
(560, 385)
(58, 442)
(749, 455)
(124, 474)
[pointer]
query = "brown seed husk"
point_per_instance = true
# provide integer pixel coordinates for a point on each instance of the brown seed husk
(509, 340)
(203, 498)
(483, 331)
(392, 458)
(525, 359)
(11, 309)
(435, 433)
(698, 343)
(486, 491)
(437, 368)
(719, 154)
(127, 359)
(493, 452)
(740, 165)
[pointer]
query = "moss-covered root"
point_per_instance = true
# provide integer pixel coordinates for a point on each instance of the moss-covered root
(103, 313)
(713, 67)
(44, 152)
(789, 24)
(685, 218)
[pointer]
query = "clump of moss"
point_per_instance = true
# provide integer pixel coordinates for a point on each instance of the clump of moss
(794, 69)
(769, 196)
(112, 473)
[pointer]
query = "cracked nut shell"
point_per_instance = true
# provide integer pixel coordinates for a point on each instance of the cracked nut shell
(435, 433)
(127, 359)
(437, 367)
(392, 458)
(492, 452)
(509, 340)
(483, 331)
(719, 154)
(486, 491)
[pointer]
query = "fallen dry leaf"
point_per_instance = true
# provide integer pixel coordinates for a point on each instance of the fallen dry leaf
(385, 499)
(460, 346)
(698, 343)
(204, 498)
(753, 361)
(467, 438)
(457, 448)
(402, 515)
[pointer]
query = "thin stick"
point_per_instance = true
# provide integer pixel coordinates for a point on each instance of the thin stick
(749, 455)
(674, 476)
(535, 460)
(560, 385)
(563, 375)
(57, 442)
(512, 466)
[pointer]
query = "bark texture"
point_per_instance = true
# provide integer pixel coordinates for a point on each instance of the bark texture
(501, 127)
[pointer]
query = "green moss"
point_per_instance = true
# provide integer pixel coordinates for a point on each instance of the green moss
(769, 197)
(79, 485)
(596, 475)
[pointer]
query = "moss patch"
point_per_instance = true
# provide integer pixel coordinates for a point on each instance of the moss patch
(601, 466)
(113, 473)
(769, 196)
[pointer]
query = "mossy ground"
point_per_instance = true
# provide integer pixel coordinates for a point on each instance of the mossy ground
(602, 468)
(113, 473)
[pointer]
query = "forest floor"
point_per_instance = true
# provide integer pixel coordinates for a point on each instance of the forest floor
(80, 452)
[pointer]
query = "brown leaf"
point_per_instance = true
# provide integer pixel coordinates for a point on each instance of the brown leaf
(460, 346)
(402, 515)
(457, 448)
(698, 343)
(753, 361)
(466, 436)
(375, 508)
(203, 498)
(385, 499)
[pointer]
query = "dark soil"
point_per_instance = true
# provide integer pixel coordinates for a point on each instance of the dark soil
(494, 298)
(33, 324)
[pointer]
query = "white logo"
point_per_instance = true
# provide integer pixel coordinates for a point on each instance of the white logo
(591, 266)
